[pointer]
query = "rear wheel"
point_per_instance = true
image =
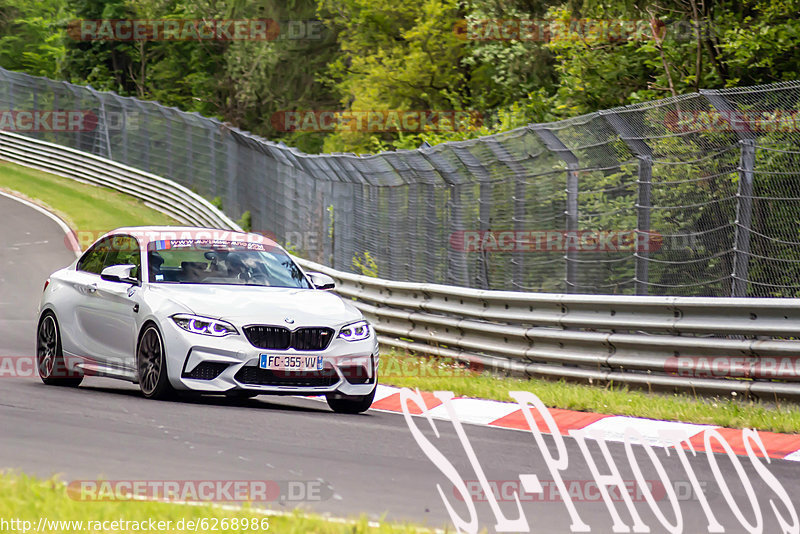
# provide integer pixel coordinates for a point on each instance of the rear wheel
(152, 365)
(49, 357)
(351, 403)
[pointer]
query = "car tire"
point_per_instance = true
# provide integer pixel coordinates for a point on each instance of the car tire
(49, 356)
(351, 404)
(151, 365)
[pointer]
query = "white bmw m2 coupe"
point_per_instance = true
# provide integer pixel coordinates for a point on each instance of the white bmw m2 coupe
(212, 311)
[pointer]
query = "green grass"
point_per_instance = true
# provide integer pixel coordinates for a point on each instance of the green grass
(84, 207)
(28, 498)
(430, 374)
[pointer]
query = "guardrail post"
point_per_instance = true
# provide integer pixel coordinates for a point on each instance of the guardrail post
(744, 193)
(644, 153)
(554, 144)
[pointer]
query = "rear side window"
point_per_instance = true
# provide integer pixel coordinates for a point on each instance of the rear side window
(124, 250)
(92, 261)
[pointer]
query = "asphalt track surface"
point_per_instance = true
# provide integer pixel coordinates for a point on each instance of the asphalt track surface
(104, 429)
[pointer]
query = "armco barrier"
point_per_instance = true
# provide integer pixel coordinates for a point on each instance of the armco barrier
(164, 195)
(708, 345)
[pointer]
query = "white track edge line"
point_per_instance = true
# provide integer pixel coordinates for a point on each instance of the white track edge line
(52, 216)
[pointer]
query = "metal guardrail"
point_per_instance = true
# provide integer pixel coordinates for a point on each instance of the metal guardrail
(164, 195)
(743, 345)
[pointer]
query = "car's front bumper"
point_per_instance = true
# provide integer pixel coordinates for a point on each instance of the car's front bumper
(225, 365)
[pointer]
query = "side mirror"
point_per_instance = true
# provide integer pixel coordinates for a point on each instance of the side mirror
(119, 273)
(322, 281)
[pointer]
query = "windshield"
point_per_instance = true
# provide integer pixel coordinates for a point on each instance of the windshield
(195, 261)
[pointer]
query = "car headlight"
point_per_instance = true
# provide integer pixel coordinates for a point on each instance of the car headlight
(355, 332)
(204, 325)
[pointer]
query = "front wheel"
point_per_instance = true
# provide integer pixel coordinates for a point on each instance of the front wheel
(49, 356)
(351, 403)
(152, 365)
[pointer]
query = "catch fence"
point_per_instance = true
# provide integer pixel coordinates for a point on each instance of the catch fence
(697, 195)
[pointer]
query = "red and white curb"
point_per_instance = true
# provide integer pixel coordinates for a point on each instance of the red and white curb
(612, 427)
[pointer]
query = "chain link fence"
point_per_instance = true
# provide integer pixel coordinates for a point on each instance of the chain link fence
(693, 195)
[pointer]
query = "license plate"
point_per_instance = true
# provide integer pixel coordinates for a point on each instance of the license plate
(293, 362)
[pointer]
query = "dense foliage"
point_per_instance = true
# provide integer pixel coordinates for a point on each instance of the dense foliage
(410, 55)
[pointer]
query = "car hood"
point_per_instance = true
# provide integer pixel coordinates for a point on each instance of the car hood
(262, 305)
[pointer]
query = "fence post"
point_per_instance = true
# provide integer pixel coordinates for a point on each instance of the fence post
(554, 144)
(484, 225)
(432, 227)
(125, 124)
(744, 218)
(101, 128)
(744, 193)
(231, 176)
(144, 160)
(170, 151)
(188, 129)
(644, 153)
(642, 254)
(346, 200)
(456, 262)
(503, 154)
